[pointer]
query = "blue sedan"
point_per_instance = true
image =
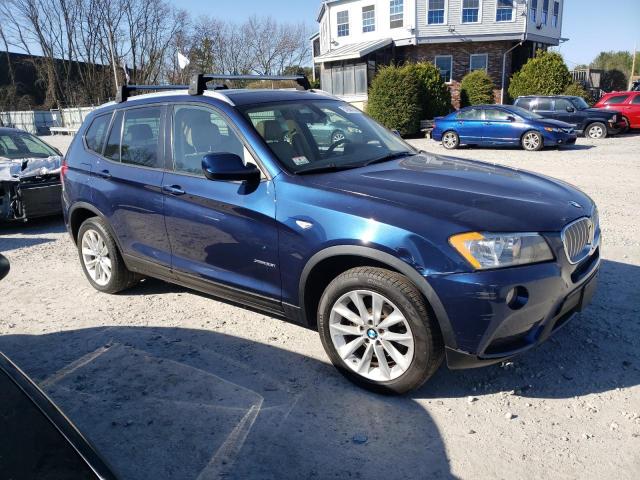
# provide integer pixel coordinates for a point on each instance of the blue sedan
(501, 125)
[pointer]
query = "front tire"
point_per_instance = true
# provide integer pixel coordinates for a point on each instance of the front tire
(375, 327)
(100, 259)
(450, 140)
(532, 141)
(596, 131)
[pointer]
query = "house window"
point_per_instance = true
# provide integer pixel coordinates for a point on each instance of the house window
(545, 12)
(397, 13)
(533, 11)
(436, 12)
(479, 61)
(343, 24)
(369, 19)
(504, 12)
(470, 11)
(445, 65)
(556, 13)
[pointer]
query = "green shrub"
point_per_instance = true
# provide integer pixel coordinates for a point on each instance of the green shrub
(436, 96)
(577, 90)
(545, 74)
(476, 89)
(395, 99)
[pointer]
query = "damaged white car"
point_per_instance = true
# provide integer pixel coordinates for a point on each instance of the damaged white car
(29, 177)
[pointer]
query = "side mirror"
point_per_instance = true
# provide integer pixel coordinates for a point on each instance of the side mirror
(228, 167)
(571, 109)
(396, 132)
(4, 267)
(511, 118)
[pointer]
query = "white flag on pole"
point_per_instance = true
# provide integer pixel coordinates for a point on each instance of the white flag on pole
(182, 61)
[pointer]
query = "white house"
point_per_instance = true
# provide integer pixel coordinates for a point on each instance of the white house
(358, 36)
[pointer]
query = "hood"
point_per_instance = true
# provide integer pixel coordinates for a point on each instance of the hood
(547, 122)
(601, 111)
(468, 194)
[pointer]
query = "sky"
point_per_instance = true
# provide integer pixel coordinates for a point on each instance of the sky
(592, 26)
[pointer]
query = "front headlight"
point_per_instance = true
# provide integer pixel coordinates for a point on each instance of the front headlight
(550, 129)
(498, 250)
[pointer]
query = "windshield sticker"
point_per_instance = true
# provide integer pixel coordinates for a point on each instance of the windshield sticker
(300, 160)
(348, 109)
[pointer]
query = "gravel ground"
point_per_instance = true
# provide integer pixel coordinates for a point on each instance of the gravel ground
(172, 384)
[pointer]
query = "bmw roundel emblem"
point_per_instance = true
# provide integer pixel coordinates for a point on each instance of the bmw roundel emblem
(372, 334)
(575, 204)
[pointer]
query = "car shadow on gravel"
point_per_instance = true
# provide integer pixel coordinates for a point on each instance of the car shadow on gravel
(167, 403)
(596, 352)
(30, 233)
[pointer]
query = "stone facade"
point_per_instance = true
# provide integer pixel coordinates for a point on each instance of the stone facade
(461, 54)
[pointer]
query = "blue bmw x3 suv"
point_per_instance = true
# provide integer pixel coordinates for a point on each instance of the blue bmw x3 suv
(501, 125)
(396, 256)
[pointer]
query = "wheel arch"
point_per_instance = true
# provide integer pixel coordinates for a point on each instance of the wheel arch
(327, 264)
(82, 211)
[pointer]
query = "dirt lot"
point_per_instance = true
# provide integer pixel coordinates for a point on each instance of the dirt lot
(172, 384)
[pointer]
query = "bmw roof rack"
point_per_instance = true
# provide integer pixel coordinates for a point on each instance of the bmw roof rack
(199, 82)
(124, 90)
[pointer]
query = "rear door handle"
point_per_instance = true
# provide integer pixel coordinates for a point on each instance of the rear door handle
(173, 190)
(104, 174)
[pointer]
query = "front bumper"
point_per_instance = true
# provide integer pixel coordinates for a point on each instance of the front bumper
(559, 138)
(486, 329)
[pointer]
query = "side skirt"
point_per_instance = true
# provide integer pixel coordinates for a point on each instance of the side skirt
(232, 295)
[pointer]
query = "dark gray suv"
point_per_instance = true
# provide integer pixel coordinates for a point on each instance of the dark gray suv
(594, 123)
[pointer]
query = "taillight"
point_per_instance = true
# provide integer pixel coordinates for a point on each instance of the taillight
(63, 168)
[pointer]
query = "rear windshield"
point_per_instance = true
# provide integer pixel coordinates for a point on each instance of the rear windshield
(16, 145)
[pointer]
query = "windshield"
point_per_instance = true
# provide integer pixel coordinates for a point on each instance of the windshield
(579, 103)
(323, 134)
(16, 145)
(524, 113)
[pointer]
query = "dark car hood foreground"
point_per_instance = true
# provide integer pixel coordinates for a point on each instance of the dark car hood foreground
(473, 195)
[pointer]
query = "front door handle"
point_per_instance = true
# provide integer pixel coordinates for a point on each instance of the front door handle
(104, 174)
(173, 190)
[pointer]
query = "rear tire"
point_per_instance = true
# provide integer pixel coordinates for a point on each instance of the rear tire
(393, 357)
(532, 141)
(596, 131)
(450, 140)
(627, 125)
(101, 260)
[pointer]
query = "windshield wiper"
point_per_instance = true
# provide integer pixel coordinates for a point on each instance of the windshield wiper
(389, 157)
(332, 167)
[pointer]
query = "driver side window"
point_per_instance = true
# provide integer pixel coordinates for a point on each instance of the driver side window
(198, 130)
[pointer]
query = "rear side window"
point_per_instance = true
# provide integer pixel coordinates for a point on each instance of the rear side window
(542, 105)
(141, 137)
(471, 114)
(97, 133)
(524, 103)
(636, 100)
(496, 114)
(616, 99)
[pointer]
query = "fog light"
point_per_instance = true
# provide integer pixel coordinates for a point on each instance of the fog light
(517, 298)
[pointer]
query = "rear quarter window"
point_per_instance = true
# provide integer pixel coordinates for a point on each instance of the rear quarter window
(524, 103)
(616, 99)
(97, 133)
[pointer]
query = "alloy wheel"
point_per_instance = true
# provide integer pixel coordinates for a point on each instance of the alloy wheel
(337, 137)
(450, 140)
(531, 141)
(596, 132)
(95, 256)
(371, 335)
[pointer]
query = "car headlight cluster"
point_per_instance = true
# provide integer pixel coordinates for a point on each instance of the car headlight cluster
(552, 129)
(499, 250)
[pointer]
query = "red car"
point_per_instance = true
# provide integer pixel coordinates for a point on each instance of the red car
(627, 103)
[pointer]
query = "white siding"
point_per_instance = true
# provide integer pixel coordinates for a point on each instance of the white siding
(416, 29)
(486, 27)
